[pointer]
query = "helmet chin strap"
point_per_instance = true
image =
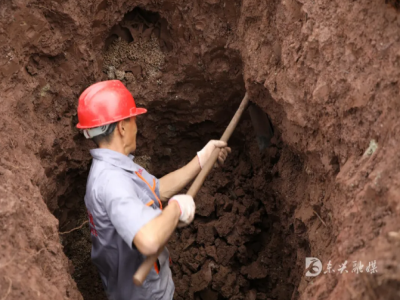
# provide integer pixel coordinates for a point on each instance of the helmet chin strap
(92, 132)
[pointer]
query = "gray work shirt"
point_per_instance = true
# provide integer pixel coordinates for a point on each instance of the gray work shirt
(120, 200)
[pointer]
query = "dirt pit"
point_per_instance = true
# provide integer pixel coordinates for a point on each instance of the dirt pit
(325, 72)
(241, 244)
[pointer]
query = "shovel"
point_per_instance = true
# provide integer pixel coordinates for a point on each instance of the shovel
(264, 132)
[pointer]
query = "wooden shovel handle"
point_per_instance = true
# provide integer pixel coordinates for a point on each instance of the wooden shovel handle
(145, 268)
(198, 182)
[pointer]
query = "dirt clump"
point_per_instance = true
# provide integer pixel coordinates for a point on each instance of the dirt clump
(147, 55)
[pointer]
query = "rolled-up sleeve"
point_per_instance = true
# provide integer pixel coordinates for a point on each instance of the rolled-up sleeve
(125, 209)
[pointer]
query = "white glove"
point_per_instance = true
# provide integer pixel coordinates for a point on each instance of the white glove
(187, 206)
(205, 153)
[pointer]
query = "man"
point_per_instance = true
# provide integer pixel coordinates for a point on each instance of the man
(124, 202)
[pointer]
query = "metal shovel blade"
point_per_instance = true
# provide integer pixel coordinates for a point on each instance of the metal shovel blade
(262, 126)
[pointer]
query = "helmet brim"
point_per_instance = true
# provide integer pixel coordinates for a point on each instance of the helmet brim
(134, 113)
(139, 111)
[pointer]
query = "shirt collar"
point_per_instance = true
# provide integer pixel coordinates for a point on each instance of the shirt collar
(115, 158)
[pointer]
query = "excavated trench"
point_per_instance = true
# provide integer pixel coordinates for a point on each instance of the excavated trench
(242, 243)
(325, 72)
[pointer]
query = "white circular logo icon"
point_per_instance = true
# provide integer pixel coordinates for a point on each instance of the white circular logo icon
(313, 266)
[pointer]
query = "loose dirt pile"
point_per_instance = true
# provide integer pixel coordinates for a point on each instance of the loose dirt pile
(326, 72)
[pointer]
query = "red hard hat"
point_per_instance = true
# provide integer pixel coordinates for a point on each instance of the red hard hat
(104, 103)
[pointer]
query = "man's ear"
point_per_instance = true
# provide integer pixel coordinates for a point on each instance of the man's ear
(121, 128)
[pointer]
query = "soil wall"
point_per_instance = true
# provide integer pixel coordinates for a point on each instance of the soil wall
(326, 72)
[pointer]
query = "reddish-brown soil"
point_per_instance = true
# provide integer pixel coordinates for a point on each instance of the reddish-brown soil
(326, 72)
